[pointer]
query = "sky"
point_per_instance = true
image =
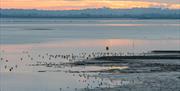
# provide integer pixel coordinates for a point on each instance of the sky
(83, 4)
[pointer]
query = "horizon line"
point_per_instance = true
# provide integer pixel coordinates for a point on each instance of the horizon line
(90, 8)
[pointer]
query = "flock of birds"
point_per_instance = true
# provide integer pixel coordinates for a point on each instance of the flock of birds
(47, 60)
(50, 60)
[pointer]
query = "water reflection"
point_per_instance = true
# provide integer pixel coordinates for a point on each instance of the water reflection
(34, 63)
(128, 44)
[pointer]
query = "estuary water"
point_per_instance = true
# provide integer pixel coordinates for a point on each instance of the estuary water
(26, 42)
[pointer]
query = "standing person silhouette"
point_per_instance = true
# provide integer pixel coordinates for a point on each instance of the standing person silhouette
(107, 48)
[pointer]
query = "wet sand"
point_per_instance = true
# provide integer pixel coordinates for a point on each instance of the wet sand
(141, 73)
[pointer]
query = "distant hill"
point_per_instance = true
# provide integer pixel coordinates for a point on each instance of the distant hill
(138, 13)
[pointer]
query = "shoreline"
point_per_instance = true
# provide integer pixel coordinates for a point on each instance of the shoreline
(115, 58)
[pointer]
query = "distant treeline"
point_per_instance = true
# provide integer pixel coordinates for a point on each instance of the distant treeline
(138, 13)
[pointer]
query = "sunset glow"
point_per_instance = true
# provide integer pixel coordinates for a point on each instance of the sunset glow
(82, 4)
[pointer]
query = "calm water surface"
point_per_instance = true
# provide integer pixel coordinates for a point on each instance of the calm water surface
(31, 38)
